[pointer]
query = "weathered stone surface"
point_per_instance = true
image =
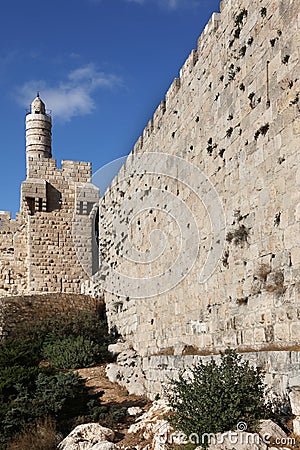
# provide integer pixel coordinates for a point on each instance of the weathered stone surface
(105, 445)
(296, 426)
(294, 396)
(91, 436)
(127, 372)
(238, 440)
(134, 411)
(151, 421)
(154, 426)
(233, 115)
(269, 429)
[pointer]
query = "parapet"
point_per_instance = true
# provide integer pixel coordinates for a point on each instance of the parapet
(5, 215)
(186, 70)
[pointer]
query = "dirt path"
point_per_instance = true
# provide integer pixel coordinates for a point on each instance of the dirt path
(113, 395)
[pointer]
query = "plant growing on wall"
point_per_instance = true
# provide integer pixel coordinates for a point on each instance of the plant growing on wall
(285, 59)
(262, 130)
(263, 12)
(229, 132)
(239, 236)
(210, 146)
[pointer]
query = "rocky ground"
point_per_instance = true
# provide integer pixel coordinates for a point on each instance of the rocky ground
(117, 396)
(145, 426)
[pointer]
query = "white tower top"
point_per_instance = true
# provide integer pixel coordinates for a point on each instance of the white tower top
(38, 131)
(38, 106)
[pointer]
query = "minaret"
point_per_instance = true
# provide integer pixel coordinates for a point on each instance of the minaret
(38, 131)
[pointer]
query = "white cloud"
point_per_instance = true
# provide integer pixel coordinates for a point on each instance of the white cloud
(72, 97)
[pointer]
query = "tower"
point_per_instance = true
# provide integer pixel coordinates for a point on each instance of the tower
(38, 132)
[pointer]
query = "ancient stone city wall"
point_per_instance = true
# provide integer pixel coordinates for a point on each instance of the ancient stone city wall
(234, 114)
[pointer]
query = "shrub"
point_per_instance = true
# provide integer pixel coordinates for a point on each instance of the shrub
(112, 415)
(17, 352)
(60, 396)
(41, 436)
(71, 352)
(30, 392)
(89, 325)
(63, 396)
(215, 397)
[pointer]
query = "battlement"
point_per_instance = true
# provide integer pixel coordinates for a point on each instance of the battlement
(234, 31)
(5, 216)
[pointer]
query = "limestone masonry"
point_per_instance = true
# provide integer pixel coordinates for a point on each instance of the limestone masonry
(234, 114)
(37, 249)
(199, 233)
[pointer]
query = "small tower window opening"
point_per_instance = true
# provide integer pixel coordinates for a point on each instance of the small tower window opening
(40, 204)
(0, 222)
(31, 205)
(80, 207)
(96, 226)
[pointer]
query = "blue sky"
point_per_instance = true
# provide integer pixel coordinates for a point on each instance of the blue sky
(101, 66)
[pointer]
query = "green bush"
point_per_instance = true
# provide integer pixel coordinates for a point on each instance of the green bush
(214, 398)
(19, 352)
(60, 396)
(89, 325)
(71, 352)
(30, 392)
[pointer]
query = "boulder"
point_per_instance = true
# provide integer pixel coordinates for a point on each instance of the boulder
(152, 420)
(105, 445)
(236, 440)
(269, 430)
(153, 425)
(294, 396)
(127, 372)
(87, 437)
(134, 411)
(295, 400)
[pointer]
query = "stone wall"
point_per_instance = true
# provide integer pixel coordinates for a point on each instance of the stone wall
(39, 250)
(151, 375)
(19, 311)
(233, 114)
(13, 246)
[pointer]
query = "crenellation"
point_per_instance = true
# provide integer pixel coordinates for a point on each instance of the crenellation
(172, 91)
